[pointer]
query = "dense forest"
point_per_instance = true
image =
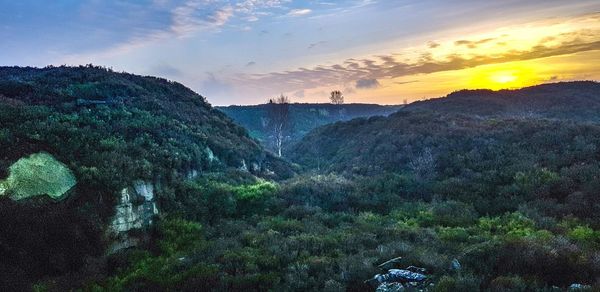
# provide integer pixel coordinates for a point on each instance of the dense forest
(511, 197)
(564, 100)
(110, 129)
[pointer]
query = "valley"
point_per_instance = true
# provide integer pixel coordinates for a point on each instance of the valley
(150, 188)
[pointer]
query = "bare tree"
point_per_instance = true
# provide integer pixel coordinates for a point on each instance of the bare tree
(336, 97)
(278, 110)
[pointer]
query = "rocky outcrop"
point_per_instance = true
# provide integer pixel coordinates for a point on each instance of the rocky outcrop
(135, 209)
(191, 174)
(210, 155)
(390, 287)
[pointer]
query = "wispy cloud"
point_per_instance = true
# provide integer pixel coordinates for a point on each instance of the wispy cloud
(299, 12)
(195, 15)
(367, 83)
(367, 73)
(314, 45)
(473, 44)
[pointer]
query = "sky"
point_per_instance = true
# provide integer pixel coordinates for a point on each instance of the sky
(374, 51)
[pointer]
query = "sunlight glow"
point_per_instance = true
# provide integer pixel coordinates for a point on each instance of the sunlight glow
(503, 77)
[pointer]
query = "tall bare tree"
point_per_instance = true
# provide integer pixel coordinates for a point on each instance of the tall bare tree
(278, 110)
(336, 97)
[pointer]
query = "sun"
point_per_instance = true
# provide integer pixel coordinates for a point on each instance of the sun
(502, 76)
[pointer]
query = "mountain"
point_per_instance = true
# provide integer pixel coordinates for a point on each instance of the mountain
(116, 182)
(509, 182)
(303, 117)
(385, 143)
(88, 152)
(469, 154)
(579, 100)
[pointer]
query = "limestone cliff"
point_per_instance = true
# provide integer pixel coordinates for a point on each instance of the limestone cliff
(135, 210)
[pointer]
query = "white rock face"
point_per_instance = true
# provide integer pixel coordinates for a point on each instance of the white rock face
(144, 189)
(244, 167)
(210, 154)
(125, 217)
(135, 207)
(192, 174)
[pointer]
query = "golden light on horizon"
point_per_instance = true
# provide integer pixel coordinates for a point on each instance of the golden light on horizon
(503, 76)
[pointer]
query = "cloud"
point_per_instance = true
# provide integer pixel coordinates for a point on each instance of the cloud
(314, 45)
(299, 12)
(366, 73)
(367, 83)
(184, 19)
(432, 45)
(472, 44)
(139, 25)
(406, 82)
(195, 15)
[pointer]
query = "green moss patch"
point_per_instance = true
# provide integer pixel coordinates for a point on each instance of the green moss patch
(36, 175)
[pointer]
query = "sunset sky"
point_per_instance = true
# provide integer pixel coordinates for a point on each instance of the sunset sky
(244, 52)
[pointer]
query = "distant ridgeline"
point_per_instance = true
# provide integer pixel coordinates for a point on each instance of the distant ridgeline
(579, 100)
(126, 141)
(303, 117)
(435, 131)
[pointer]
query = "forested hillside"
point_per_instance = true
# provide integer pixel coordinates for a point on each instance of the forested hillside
(303, 117)
(513, 196)
(577, 100)
(116, 182)
(94, 132)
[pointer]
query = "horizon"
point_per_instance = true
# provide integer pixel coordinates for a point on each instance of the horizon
(244, 52)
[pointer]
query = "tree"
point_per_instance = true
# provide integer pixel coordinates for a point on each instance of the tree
(278, 111)
(336, 97)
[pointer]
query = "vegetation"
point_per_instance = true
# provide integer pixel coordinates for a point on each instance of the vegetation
(110, 129)
(38, 174)
(512, 198)
(564, 100)
(278, 110)
(303, 117)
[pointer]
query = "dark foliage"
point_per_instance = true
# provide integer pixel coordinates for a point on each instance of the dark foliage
(303, 117)
(565, 100)
(110, 129)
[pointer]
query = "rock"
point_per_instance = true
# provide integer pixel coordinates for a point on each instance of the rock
(455, 265)
(144, 189)
(135, 209)
(191, 174)
(244, 167)
(210, 154)
(390, 287)
(400, 275)
(255, 167)
(579, 287)
(406, 276)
